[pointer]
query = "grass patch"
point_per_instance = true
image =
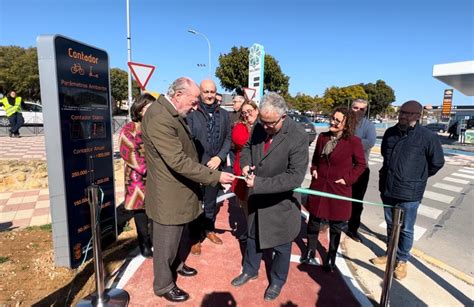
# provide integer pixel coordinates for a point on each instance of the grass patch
(127, 227)
(45, 227)
(4, 259)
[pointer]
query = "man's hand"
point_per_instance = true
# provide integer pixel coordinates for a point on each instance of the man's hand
(247, 169)
(250, 180)
(315, 174)
(340, 181)
(214, 162)
(226, 178)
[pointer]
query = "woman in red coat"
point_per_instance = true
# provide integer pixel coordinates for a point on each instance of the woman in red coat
(338, 161)
(240, 136)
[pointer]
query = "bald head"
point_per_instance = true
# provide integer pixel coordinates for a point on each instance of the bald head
(412, 106)
(409, 114)
(208, 91)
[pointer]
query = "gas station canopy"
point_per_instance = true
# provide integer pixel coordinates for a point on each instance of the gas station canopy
(459, 75)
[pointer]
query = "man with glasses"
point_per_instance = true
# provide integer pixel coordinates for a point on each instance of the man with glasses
(274, 162)
(236, 106)
(210, 128)
(411, 153)
(365, 130)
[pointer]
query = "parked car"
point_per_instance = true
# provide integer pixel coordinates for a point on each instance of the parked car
(375, 120)
(307, 124)
(32, 113)
(437, 127)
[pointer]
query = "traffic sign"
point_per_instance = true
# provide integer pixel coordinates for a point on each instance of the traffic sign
(141, 72)
(249, 93)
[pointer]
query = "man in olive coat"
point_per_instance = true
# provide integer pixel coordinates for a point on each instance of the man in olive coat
(274, 162)
(174, 176)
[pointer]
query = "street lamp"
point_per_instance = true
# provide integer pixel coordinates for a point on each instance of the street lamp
(208, 45)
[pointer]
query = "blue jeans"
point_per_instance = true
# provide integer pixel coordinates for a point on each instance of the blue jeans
(410, 210)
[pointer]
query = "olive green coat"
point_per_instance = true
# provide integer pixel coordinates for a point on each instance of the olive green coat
(174, 175)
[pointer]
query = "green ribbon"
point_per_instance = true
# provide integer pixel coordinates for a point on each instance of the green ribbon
(329, 195)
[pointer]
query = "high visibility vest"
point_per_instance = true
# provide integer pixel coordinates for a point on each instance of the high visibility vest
(11, 109)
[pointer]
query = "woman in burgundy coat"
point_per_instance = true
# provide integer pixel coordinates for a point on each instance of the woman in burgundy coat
(338, 161)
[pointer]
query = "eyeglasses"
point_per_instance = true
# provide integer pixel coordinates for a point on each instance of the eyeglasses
(358, 109)
(337, 121)
(208, 92)
(249, 112)
(271, 124)
(402, 112)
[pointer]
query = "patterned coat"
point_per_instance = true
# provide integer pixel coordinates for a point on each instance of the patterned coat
(132, 152)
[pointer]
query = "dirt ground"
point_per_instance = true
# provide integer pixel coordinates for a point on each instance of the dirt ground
(28, 276)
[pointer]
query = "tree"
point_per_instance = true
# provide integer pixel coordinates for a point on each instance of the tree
(233, 72)
(19, 72)
(119, 86)
(302, 102)
(380, 96)
(343, 96)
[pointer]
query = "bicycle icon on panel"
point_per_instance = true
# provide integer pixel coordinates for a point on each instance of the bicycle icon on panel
(77, 69)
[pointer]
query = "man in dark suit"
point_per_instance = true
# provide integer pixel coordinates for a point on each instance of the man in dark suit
(174, 177)
(274, 162)
(210, 128)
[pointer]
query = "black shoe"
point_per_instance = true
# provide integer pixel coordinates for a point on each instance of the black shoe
(145, 248)
(272, 292)
(309, 257)
(330, 268)
(242, 279)
(187, 271)
(175, 295)
(354, 236)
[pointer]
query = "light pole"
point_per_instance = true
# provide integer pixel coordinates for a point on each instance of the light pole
(208, 45)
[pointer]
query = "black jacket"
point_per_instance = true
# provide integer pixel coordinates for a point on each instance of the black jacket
(408, 161)
(197, 122)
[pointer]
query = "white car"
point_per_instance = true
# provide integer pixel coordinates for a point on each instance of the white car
(32, 113)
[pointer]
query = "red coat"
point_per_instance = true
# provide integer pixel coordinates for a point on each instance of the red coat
(240, 135)
(347, 161)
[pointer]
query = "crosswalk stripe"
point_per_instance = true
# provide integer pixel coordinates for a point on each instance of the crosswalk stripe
(466, 171)
(461, 181)
(376, 159)
(429, 211)
(307, 176)
(438, 197)
(463, 175)
(448, 187)
(372, 163)
(419, 231)
(469, 168)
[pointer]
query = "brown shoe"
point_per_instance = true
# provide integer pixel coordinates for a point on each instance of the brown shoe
(196, 249)
(379, 260)
(400, 270)
(214, 238)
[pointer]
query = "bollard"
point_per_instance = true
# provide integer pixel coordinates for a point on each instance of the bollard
(391, 255)
(109, 297)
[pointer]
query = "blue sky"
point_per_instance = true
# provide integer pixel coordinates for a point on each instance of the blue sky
(318, 43)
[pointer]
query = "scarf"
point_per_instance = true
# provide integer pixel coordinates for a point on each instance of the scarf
(329, 147)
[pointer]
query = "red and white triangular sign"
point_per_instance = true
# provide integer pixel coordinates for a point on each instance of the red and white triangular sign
(249, 93)
(141, 72)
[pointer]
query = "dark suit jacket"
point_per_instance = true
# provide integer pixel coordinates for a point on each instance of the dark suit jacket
(197, 122)
(174, 173)
(273, 206)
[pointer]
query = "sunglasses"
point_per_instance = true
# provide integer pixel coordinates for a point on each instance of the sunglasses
(358, 109)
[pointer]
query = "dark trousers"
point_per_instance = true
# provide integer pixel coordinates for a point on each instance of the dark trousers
(335, 229)
(16, 120)
(280, 263)
(358, 191)
(142, 225)
(166, 259)
(205, 223)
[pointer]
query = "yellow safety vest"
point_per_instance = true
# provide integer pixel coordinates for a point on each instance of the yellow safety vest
(11, 109)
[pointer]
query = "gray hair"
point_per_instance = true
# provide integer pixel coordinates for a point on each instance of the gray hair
(181, 84)
(274, 102)
(359, 100)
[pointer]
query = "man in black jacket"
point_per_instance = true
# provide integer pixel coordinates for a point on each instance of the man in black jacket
(210, 128)
(411, 153)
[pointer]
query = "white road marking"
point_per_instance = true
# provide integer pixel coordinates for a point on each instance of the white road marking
(469, 168)
(448, 187)
(466, 171)
(462, 175)
(438, 197)
(429, 211)
(419, 231)
(372, 163)
(461, 181)
(376, 159)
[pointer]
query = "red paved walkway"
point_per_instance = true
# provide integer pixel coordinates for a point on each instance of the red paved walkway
(219, 264)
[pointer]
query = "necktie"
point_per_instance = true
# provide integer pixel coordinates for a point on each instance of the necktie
(268, 141)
